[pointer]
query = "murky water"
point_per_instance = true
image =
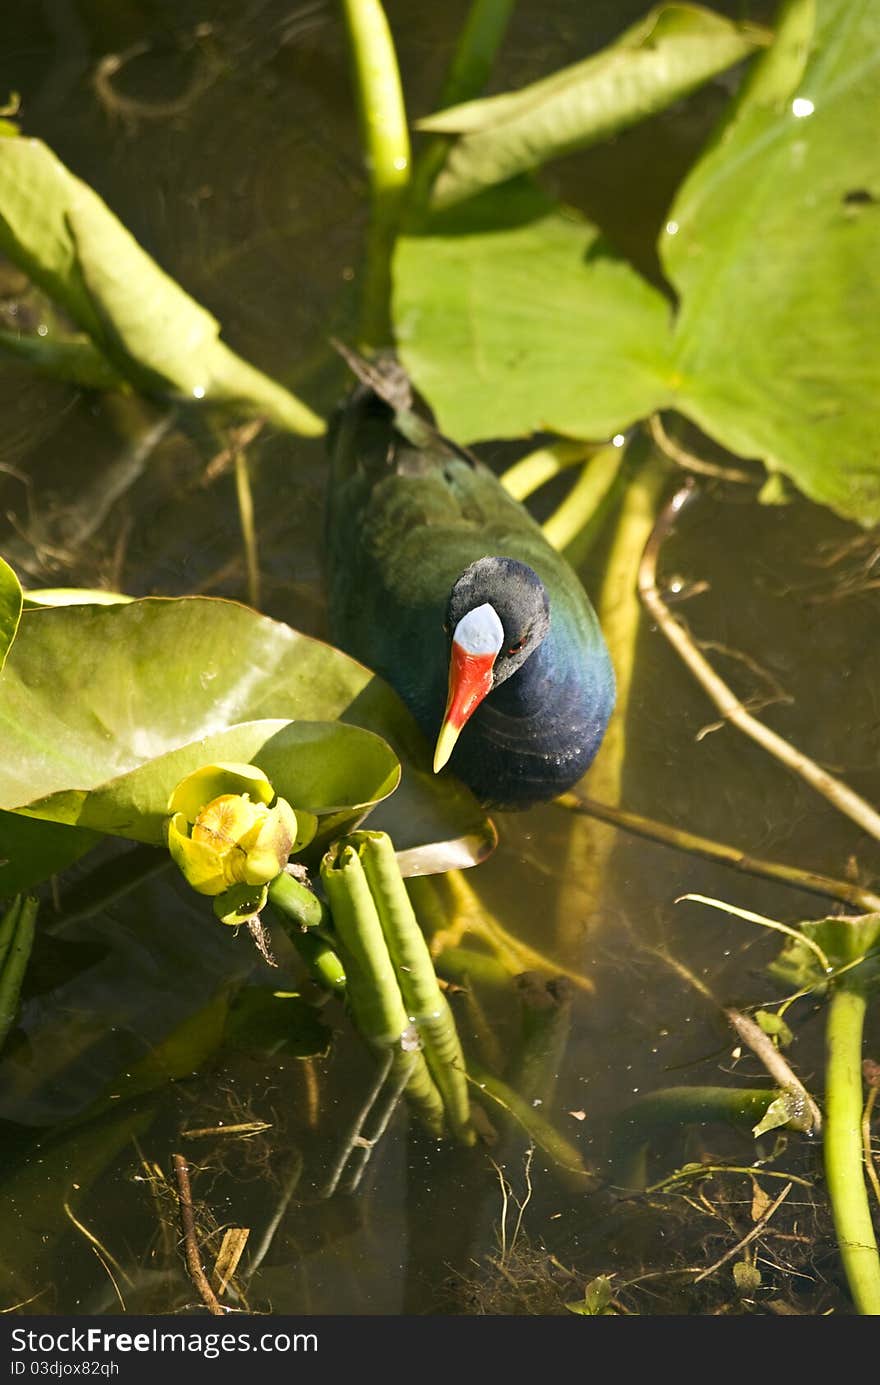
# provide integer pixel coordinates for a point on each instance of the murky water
(228, 145)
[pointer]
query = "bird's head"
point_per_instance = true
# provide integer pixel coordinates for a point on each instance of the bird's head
(497, 616)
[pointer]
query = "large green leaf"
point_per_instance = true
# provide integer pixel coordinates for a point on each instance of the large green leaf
(143, 323)
(513, 317)
(774, 245)
(322, 767)
(668, 53)
(104, 708)
(10, 608)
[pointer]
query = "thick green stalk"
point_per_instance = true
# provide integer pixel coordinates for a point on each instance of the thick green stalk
(297, 902)
(321, 958)
(16, 941)
(373, 992)
(479, 40)
(678, 1106)
(620, 616)
(585, 498)
(566, 1157)
(385, 136)
(426, 1004)
(843, 1146)
(534, 470)
(546, 1027)
(466, 965)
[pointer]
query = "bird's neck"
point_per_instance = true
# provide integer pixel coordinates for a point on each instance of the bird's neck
(528, 691)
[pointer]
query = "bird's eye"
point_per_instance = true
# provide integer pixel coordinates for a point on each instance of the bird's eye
(515, 648)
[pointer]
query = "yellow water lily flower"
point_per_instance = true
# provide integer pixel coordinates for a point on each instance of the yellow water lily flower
(222, 831)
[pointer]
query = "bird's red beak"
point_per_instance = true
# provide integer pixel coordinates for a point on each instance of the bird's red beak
(470, 679)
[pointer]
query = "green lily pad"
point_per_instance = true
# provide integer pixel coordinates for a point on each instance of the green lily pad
(103, 710)
(142, 323)
(513, 316)
(774, 253)
(324, 766)
(668, 53)
(10, 608)
(843, 939)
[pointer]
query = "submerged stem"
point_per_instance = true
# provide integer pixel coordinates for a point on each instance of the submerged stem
(16, 941)
(426, 1004)
(620, 616)
(585, 498)
(534, 470)
(843, 1146)
(478, 42)
(678, 1106)
(372, 987)
(565, 1156)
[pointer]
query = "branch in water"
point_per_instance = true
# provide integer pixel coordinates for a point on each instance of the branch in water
(840, 795)
(808, 880)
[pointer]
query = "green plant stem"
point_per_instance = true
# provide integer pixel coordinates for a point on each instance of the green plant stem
(478, 42)
(426, 1004)
(322, 960)
(620, 616)
(794, 876)
(534, 470)
(373, 992)
(465, 965)
(464, 913)
(300, 905)
(545, 1008)
(843, 1146)
(245, 497)
(677, 1106)
(16, 941)
(565, 1156)
(385, 136)
(870, 1168)
(585, 498)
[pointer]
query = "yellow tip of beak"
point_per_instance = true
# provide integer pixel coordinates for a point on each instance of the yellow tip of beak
(445, 745)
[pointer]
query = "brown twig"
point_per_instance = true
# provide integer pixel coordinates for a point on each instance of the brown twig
(840, 795)
(778, 1067)
(194, 1265)
(239, 439)
(808, 880)
(754, 1037)
(751, 1235)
